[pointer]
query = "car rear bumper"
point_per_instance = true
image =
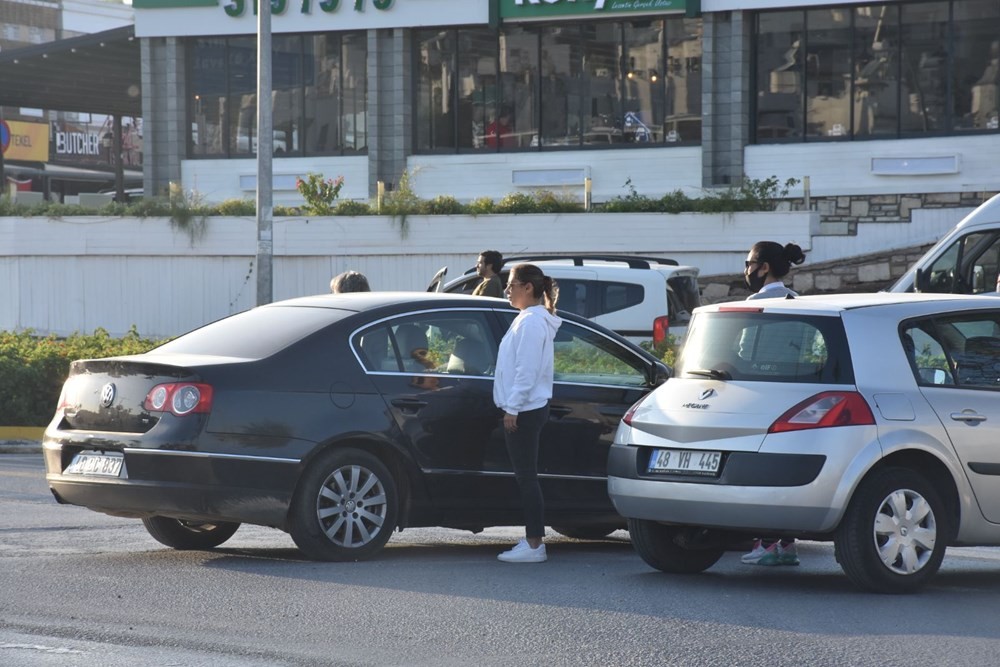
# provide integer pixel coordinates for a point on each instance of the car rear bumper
(188, 485)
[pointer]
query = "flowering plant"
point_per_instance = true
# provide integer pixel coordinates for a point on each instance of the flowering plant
(319, 192)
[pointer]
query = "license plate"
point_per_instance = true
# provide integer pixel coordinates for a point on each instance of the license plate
(95, 464)
(684, 462)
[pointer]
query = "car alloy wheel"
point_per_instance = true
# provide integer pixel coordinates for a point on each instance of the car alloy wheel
(345, 507)
(894, 533)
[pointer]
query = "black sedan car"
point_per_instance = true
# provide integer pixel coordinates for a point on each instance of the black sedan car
(338, 418)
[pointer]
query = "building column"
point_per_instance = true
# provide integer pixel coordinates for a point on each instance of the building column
(164, 113)
(390, 112)
(727, 96)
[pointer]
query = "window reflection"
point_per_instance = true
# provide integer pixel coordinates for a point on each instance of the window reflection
(828, 72)
(924, 67)
(779, 74)
(876, 69)
(977, 64)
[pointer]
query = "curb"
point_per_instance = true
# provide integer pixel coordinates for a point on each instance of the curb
(21, 439)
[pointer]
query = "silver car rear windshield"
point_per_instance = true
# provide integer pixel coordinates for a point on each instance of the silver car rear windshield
(254, 334)
(758, 346)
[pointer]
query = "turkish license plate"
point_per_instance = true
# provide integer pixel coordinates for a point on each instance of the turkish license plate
(684, 462)
(95, 464)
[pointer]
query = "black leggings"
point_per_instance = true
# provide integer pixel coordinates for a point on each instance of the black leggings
(522, 447)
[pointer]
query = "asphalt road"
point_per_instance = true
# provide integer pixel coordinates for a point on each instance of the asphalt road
(83, 589)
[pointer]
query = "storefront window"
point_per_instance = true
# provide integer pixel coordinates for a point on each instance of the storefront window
(603, 83)
(319, 99)
(876, 70)
(976, 68)
(828, 73)
(435, 89)
(207, 96)
(780, 59)
(880, 70)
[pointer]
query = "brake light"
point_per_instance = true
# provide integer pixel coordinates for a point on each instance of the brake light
(631, 411)
(828, 408)
(661, 326)
(179, 398)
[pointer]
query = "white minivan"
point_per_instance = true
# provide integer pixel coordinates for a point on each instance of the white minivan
(965, 261)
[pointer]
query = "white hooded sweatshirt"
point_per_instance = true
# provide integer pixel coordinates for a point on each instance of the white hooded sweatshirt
(523, 379)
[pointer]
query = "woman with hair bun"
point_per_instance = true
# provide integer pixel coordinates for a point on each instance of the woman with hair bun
(522, 387)
(766, 264)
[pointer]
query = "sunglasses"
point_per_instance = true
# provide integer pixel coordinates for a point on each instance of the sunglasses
(750, 262)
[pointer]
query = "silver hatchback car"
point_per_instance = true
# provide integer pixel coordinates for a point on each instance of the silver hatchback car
(872, 420)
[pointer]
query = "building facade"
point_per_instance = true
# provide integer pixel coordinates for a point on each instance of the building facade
(866, 103)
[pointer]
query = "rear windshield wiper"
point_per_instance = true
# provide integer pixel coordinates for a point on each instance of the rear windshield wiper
(713, 373)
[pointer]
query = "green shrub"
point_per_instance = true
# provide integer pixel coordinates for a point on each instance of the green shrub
(444, 205)
(675, 202)
(33, 369)
(666, 351)
(550, 202)
(516, 202)
(633, 202)
(353, 207)
(480, 206)
(319, 192)
(237, 207)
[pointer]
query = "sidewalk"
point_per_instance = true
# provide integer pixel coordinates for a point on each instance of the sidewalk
(21, 439)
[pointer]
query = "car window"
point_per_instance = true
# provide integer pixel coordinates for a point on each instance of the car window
(969, 266)
(583, 356)
(966, 348)
(766, 347)
(618, 296)
(453, 343)
(685, 290)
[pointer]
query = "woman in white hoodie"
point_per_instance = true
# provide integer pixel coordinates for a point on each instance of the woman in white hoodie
(522, 387)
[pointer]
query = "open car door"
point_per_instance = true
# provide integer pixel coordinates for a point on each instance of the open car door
(437, 282)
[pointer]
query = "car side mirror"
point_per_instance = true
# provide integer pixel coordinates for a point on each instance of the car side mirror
(660, 373)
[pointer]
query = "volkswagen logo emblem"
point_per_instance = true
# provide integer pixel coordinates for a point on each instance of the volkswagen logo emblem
(108, 394)
(708, 393)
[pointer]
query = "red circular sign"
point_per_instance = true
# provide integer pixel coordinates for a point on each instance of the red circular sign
(4, 136)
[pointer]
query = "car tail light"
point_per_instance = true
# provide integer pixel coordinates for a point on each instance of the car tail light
(179, 398)
(661, 326)
(829, 408)
(631, 411)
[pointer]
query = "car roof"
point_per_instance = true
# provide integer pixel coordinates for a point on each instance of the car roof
(361, 301)
(837, 303)
(987, 213)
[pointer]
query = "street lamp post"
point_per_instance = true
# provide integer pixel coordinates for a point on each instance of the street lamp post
(265, 148)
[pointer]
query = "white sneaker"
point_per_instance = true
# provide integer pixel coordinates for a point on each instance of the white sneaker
(522, 553)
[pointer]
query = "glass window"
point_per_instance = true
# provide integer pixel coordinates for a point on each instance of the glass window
(828, 73)
(926, 356)
(519, 82)
(323, 133)
(435, 89)
(965, 347)
(645, 81)
(924, 76)
(242, 95)
(286, 84)
(618, 296)
(599, 115)
(764, 347)
(682, 104)
(354, 94)
(780, 61)
(434, 343)
(561, 55)
(484, 120)
(582, 356)
(976, 68)
(207, 96)
(876, 70)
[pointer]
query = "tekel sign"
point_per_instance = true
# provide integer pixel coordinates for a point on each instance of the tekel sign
(24, 141)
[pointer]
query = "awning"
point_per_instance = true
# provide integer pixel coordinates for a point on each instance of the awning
(97, 73)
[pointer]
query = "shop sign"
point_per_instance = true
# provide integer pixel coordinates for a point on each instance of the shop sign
(237, 8)
(24, 141)
(534, 9)
(77, 144)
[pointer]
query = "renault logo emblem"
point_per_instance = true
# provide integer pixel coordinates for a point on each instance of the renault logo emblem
(708, 393)
(108, 394)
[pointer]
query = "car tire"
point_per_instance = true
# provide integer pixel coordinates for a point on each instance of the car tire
(880, 546)
(598, 532)
(345, 508)
(189, 535)
(658, 545)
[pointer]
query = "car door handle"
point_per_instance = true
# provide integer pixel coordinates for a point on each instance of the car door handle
(967, 417)
(409, 406)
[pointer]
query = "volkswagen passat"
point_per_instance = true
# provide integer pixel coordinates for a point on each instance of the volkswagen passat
(872, 420)
(338, 418)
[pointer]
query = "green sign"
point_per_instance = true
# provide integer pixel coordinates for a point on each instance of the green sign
(534, 9)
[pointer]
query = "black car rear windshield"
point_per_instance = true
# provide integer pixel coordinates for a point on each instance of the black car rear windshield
(757, 346)
(254, 334)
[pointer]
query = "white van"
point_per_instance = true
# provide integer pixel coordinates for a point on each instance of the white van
(965, 261)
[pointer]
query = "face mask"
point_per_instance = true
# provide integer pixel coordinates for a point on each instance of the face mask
(754, 281)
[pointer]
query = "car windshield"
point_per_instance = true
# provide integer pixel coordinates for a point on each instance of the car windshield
(253, 334)
(758, 346)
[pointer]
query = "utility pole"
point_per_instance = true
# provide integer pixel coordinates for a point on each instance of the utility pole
(265, 148)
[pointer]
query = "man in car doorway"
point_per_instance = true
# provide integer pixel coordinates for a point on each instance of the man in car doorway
(488, 267)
